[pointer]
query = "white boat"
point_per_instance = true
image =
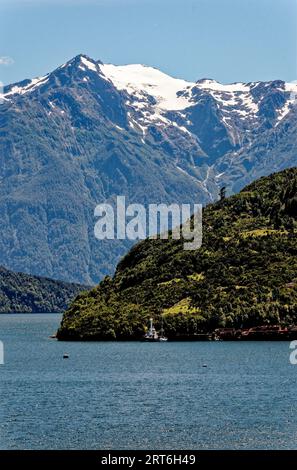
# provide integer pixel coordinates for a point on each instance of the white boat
(162, 337)
(152, 335)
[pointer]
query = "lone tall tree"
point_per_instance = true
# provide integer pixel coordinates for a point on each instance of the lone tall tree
(222, 193)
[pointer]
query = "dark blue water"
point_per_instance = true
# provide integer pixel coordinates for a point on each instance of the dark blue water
(142, 396)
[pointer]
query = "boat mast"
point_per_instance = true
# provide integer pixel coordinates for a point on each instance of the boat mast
(162, 329)
(151, 326)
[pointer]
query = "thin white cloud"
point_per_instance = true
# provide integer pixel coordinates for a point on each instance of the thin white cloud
(5, 60)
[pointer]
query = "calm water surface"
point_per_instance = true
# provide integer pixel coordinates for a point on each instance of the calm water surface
(142, 396)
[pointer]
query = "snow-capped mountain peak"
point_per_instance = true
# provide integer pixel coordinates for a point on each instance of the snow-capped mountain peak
(156, 93)
(214, 117)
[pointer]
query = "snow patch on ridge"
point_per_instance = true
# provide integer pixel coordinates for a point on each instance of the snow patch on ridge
(35, 83)
(88, 64)
(213, 85)
(292, 89)
(140, 80)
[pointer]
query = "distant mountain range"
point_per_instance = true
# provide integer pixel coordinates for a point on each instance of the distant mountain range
(89, 131)
(244, 274)
(22, 293)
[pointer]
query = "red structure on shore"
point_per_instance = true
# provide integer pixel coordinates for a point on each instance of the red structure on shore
(257, 333)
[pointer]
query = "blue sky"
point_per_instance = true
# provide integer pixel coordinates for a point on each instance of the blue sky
(228, 40)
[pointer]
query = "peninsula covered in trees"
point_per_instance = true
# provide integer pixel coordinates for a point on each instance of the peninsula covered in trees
(244, 275)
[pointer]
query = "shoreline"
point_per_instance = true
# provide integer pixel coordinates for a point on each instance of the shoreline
(258, 333)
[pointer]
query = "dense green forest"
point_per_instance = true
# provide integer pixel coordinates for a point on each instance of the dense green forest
(21, 292)
(245, 273)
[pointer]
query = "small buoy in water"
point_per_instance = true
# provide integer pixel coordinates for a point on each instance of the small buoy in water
(204, 365)
(65, 356)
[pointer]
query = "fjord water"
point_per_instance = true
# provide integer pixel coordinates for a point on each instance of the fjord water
(142, 396)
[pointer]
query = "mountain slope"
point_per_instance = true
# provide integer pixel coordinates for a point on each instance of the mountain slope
(88, 132)
(20, 292)
(238, 169)
(245, 273)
